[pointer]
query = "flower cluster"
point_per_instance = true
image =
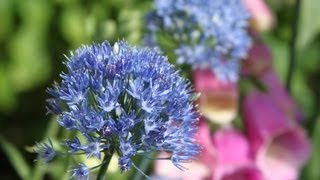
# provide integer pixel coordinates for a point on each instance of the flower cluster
(127, 100)
(206, 33)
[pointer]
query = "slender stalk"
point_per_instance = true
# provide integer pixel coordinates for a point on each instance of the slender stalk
(105, 164)
(292, 44)
(141, 172)
(143, 166)
(311, 123)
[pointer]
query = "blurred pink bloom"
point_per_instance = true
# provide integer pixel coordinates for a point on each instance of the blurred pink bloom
(258, 61)
(280, 147)
(219, 99)
(262, 17)
(280, 96)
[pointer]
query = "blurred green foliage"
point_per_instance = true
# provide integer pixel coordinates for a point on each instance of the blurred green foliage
(34, 35)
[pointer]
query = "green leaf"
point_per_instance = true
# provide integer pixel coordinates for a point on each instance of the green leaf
(7, 94)
(311, 170)
(15, 157)
(300, 86)
(6, 19)
(309, 25)
(279, 51)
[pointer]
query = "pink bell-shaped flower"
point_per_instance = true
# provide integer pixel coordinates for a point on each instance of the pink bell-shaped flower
(218, 101)
(280, 147)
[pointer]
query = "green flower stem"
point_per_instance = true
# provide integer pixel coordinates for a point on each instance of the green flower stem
(105, 164)
(293, 44)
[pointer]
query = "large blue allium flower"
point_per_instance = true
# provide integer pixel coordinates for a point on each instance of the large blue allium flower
(206, 33)
(127, 100)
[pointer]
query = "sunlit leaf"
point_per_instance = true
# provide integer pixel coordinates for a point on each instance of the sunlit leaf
(309, 21)
(6, 17)
(7, 95)
(279, 51)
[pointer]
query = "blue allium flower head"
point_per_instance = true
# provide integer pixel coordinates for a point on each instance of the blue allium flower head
(127, 100)
(205, 33)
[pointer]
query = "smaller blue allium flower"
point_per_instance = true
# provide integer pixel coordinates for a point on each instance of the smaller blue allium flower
(45, 151)
(126, 100)
(73, 145)
(80, 172)
(204, 33)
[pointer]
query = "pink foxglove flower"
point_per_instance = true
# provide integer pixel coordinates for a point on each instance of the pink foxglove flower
(219, 99)
(262, 17)
(280, 146)
(259, 64)
(280, 96)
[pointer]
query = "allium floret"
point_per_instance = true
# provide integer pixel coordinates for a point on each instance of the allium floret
(204, 33)
(45, 151)
(80, 172)
(127, 100)
(73, 145)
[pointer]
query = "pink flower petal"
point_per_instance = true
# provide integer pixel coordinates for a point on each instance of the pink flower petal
(262, 17)
(231, 146)
(258, 61)
(233, 152)
(280, 96)
(246, 173)
(262, 118)
(208, 153)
